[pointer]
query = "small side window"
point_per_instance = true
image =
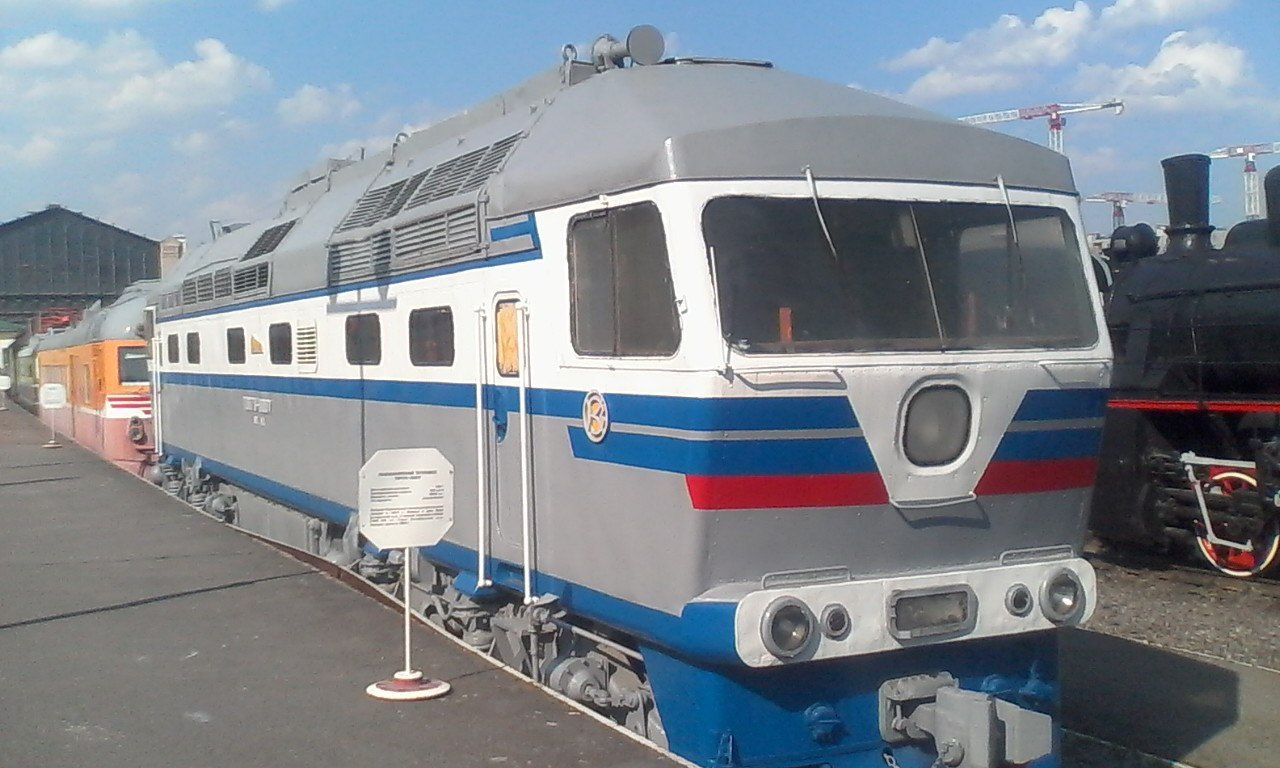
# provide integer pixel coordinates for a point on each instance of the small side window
(193, 347)
(280, 338)
(508, 342)
(431, 336)
(235, 345)
(364, 340)
(171, 344)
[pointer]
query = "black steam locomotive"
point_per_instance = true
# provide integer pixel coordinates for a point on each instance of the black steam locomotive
(1191, 446)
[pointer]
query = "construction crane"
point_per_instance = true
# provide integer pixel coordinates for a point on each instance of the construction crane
(1055, 112)
(1120, 200)
(1252, 193)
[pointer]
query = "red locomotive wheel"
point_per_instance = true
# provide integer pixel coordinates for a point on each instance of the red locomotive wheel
(1229, 560)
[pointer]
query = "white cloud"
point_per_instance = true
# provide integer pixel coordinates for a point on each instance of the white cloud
(49, 82)
(216, 77)
(38, 150)
(47, 50)
(267, 6)
(1191, 71)
(943, 81)
(1128, 14)
(193, 143)
(999, 56)
(1052, 37)
(312, 103)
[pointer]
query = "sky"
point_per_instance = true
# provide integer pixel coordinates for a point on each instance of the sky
(160, 116)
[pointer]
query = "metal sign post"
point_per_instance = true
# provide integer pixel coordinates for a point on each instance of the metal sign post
(406, 501)
(52, 397)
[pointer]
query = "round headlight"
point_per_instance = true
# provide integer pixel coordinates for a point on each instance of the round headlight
(1062, 598)
(937, 426)
(787, 627)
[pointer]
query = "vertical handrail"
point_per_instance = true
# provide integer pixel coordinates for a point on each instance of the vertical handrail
(522, 355)
(482, 464)
(157, 350)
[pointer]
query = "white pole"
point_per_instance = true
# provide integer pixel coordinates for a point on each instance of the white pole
(522, 356)
(482, 484)
(408, 666)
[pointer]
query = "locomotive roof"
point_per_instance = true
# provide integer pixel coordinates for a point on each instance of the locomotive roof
(572, 134)
(116, 321)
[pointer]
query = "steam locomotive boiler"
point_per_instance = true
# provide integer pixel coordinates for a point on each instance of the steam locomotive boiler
(1191, 446)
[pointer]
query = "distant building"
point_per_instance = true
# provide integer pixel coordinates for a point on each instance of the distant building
(61, 258)
(172, 249)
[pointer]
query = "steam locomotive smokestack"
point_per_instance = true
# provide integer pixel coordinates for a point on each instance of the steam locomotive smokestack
(1186, 183)
(1272, 186)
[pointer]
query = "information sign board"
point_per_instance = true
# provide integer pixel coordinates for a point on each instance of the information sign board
(53, 396)
(5, 382)
(406, 497)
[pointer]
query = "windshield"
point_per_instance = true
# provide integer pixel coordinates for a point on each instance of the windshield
(133, 366)
(903, 276)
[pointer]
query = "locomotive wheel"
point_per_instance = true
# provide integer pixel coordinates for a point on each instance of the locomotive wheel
(1229, 560)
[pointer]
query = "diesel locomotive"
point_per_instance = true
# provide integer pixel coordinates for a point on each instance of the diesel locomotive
(773, 404)
(1191, 448)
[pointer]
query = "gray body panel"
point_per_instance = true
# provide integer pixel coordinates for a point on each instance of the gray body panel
(625, 531)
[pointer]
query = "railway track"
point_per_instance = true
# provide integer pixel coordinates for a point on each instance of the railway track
(1111, 558)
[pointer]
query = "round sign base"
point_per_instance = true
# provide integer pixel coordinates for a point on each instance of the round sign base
(52, 444)
(408, 686)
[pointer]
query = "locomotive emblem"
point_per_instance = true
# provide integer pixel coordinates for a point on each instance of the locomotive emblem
(595, 416)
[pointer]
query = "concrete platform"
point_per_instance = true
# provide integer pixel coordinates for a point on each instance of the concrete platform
(137, 633)
(1197, 711)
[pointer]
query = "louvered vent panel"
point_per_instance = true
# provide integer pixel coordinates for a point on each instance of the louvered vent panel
(251, 279)
(189, 291)
(222, 283)
(350, 261)
(494, 157)
(449, 176)
(269, 240)
(438, 238)
(306, 347)
(365, 211)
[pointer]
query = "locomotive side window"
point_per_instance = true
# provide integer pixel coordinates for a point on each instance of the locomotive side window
(171, 346)
(508, 343)
(622, 299)
(896, 275)
(132, 365)
(280, 339)
(364, 340)
(235, 345)
(193, 347)
(431, 336)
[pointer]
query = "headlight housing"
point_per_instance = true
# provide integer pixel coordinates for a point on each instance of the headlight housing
(1062, 597)
(936, 429)
(787, 627)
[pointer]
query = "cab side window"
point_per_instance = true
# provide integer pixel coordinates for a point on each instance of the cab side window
(622, 302)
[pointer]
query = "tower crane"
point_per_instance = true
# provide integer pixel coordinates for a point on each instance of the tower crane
(1120, 200)
(1055, 112)
(1252, 194)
